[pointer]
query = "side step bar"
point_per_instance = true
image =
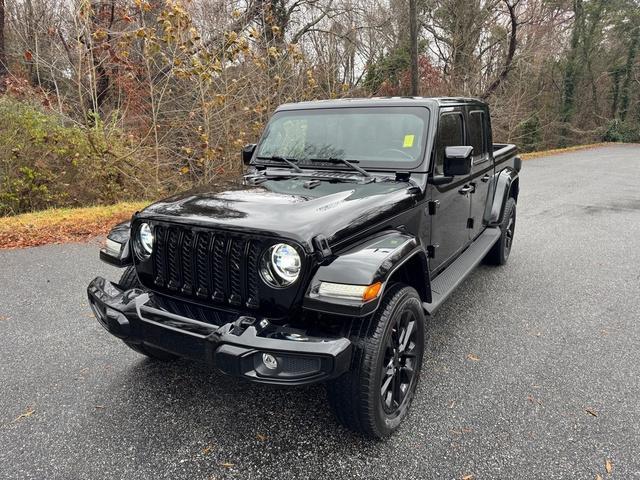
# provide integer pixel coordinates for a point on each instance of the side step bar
(454, 274)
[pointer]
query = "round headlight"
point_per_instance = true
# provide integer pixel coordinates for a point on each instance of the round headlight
(280, 265)
(144, 241)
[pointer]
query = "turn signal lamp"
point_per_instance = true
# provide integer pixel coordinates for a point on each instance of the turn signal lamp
(352, 292)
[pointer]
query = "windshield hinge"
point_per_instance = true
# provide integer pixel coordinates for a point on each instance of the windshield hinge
(321, 245)
(432, 206)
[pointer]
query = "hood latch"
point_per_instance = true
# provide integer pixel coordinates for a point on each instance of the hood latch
(321, 245)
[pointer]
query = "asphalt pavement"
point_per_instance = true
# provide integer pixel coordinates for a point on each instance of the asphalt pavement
(531, 370)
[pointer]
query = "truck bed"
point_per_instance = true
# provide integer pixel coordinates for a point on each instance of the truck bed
(502, 151)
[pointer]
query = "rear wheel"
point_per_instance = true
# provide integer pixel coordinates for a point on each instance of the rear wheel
(129, 280)
(374, 397)
(499, 253)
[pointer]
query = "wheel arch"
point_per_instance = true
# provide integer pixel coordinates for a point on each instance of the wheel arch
(414, 273)
(506, 184)
(366, 264)
(515, 189)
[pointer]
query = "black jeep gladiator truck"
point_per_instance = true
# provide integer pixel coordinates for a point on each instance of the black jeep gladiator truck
(355, 220)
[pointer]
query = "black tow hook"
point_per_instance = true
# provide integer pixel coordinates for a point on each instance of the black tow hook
(236, 328)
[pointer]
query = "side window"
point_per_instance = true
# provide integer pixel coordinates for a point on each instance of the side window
(478, 134)
(450, 134)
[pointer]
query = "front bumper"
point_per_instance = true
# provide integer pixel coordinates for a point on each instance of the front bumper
(236, 348)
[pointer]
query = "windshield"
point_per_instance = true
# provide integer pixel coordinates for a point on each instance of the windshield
(385, 137)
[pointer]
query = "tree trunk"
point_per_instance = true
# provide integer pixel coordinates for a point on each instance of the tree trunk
(572, 70)
(3, 56)
(413, 47)
(615, 90)
(513, 43)
(628, 71)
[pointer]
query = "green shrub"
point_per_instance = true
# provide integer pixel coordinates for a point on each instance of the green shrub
(619, 131)
(46, 163)
(530, 134)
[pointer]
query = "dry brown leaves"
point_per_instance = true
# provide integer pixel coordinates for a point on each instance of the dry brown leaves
(62, 225)
(26, 414)
(556, 151)
(207, 450)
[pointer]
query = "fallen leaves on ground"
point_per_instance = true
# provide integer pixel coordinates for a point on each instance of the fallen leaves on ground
(532, 399)
(608, 465)
(546, 153)
(467, 477)
(473, 357)
(227, 465)
(598, 476)
(30, 411)
(591, 412)
(62, 225)
(207, 450)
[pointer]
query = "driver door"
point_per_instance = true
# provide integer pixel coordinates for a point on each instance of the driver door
(449, 232)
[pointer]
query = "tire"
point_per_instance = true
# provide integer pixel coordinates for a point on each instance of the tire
(129, 280)
(369, 398)
(499, 253)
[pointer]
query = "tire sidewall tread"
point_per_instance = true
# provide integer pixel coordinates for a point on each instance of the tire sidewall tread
(496, 255)
(354, 397)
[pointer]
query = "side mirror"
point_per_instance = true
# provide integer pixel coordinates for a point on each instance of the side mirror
(247, 153)
(457, 161)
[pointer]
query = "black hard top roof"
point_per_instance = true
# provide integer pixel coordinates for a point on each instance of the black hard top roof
(382, 102)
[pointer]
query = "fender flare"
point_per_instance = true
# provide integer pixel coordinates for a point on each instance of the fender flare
(376, 259)
(506, 184)
(121, 234)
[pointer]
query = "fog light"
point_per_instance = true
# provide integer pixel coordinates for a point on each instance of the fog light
(269, 361)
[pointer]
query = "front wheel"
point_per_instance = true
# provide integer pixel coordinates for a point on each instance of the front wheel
(374, 397)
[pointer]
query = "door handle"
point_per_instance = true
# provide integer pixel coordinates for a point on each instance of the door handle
(486, 178)
(466, 189)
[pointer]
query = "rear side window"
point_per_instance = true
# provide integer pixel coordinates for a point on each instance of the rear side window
(450, 134)
(477, 134)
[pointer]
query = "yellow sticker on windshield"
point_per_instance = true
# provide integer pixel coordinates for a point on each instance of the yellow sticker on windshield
(408, 141)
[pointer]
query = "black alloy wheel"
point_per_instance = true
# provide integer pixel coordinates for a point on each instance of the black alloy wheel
(509, 233)
(399, 365)
(374, 397)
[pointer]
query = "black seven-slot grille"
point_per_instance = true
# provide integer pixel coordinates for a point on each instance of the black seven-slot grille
(208, 265)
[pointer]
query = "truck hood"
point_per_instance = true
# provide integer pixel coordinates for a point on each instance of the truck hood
(286, 208)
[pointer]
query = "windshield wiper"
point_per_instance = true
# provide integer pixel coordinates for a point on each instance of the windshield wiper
(348, 163)
(278, 158)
